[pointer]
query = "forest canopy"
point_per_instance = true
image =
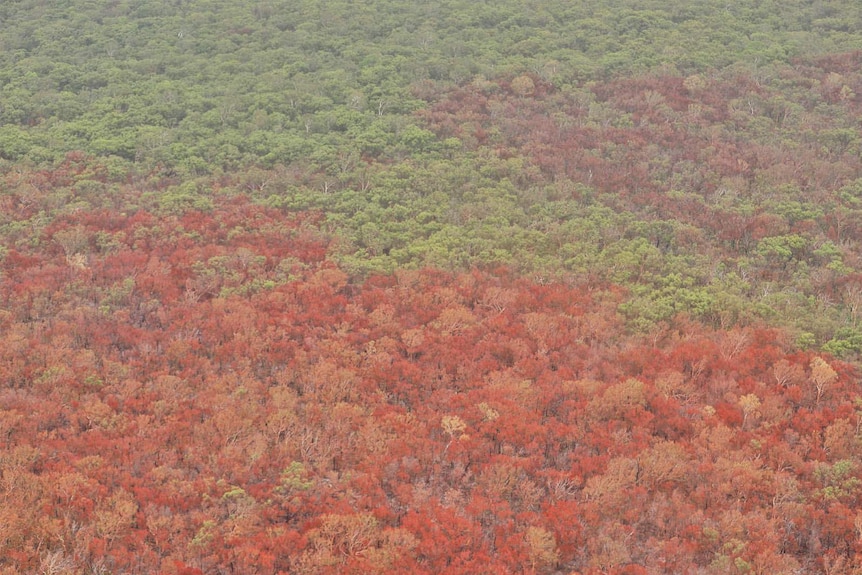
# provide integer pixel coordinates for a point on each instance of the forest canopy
(430, 287)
